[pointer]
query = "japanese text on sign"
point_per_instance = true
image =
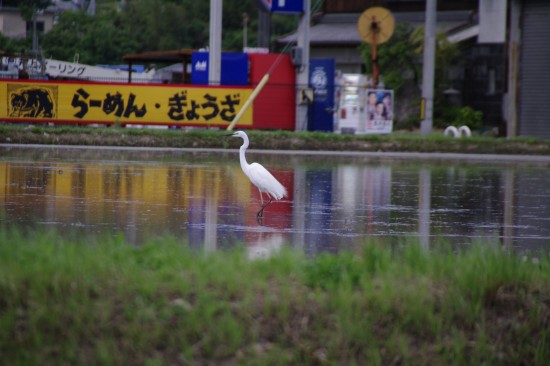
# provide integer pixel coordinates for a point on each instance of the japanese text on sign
(124, 103)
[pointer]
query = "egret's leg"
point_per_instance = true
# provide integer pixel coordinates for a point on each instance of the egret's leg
(261, 212)
(261, 198)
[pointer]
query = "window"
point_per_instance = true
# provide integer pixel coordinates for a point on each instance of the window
(39, 28)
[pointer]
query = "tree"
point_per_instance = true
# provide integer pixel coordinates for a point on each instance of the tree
(400, 63)
(446, 54)
(96, 39)
(161, 25)
(28, 7)
(13, 45)
(397, 58)
(150, 25)
(164, 24)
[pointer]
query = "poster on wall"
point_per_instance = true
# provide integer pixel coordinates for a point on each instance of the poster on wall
(69, 102)
(379, 111)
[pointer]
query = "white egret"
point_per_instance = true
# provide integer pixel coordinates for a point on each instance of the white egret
(259, 176)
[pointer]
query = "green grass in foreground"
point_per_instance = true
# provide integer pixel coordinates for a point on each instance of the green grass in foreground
(107, 302)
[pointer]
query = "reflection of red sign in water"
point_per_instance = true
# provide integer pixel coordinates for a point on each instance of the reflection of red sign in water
(379, 111)
(279, 213)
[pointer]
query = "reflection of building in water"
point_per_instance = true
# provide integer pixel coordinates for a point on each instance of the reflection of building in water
(364, 192)
(318, 211)
(330, 207)
(424, 206)
(529, 213)
(268, 244)
(340, 202)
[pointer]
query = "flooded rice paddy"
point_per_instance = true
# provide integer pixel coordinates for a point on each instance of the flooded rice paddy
(335, 202)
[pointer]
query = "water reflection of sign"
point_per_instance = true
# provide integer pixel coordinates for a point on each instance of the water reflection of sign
(116, 193)
(110, 103)
(379, 111)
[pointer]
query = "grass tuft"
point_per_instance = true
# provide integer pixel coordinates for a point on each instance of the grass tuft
(78, 301)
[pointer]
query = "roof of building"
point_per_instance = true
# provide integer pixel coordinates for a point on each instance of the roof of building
(341, 29)
(181, 56)
(170, 56)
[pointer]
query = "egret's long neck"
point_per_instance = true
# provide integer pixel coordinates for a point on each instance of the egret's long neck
(242, 157)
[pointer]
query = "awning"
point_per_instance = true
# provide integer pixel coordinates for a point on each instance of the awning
(170, 56)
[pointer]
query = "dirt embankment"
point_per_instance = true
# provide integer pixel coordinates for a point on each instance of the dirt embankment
(277, 140)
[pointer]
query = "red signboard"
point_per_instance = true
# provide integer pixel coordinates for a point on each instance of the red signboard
(275, 106)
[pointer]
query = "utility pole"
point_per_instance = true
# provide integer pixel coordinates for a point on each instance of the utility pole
(264, 26)
(34, 34)
(215, 49)
(428, 69)
(245, 30)
(302, 71)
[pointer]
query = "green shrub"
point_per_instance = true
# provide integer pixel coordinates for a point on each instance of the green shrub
(463, 116)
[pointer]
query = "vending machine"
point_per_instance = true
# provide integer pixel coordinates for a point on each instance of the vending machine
(361, 109)
(351, 102)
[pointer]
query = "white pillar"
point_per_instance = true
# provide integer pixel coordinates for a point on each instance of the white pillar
(428, 68)
(215, 48)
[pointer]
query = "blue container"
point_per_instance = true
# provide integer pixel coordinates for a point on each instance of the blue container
(234, 68)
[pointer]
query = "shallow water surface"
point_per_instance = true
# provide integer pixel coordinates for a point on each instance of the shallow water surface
(335, 202)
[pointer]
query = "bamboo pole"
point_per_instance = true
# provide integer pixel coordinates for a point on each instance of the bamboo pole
(250, 99)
